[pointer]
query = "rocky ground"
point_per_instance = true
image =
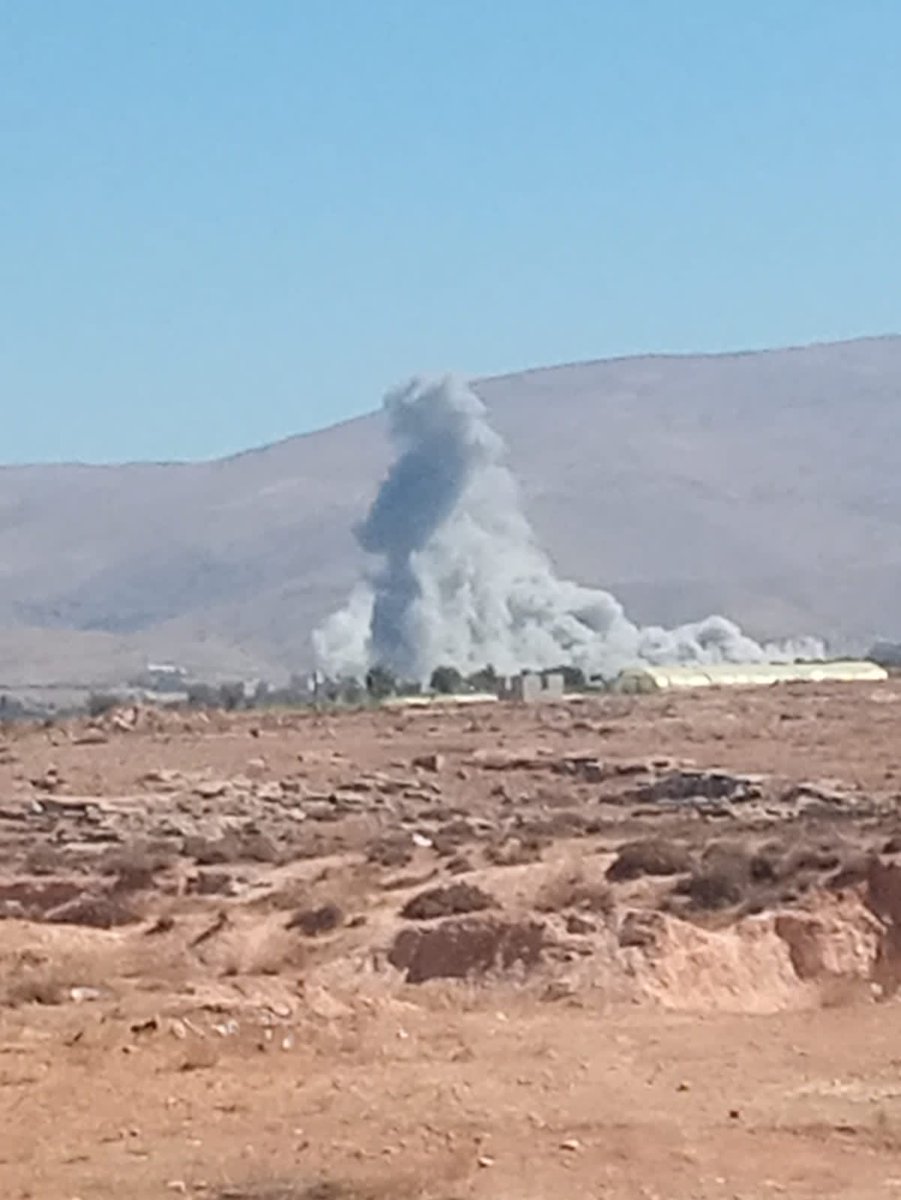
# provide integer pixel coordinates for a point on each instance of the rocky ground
(623, 947)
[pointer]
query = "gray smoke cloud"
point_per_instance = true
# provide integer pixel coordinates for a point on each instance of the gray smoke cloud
(462, 582)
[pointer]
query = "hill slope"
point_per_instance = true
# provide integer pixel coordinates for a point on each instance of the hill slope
(762, 485)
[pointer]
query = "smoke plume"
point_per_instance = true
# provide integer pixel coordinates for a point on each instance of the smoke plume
(461, 582)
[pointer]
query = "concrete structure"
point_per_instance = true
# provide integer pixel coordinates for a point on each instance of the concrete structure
(532, 688)
(653, 679)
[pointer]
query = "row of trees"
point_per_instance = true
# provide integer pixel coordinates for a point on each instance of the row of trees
(445, 681)
(448, 681)
(380, 683)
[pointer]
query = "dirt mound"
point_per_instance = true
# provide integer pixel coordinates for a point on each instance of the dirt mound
(462, 949)
(776, 962)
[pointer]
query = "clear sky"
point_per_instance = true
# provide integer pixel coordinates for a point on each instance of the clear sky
(225, 221)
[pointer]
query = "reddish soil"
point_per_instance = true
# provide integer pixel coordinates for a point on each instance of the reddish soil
(641, 947)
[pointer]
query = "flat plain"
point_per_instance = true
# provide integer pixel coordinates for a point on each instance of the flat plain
(617, 947)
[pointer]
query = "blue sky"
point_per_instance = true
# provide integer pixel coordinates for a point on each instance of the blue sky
(224, 221)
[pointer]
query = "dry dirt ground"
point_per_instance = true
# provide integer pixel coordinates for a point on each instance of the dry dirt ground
(626, 947)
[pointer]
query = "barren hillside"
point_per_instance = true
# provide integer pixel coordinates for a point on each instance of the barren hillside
(762, 485)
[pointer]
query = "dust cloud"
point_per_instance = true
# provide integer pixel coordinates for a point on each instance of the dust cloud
(459, 579)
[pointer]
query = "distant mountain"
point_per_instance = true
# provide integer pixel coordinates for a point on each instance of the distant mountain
(761, 485)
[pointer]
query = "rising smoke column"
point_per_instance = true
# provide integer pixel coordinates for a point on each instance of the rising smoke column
(461, 581)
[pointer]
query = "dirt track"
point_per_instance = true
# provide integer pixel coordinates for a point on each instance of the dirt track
(208, 977)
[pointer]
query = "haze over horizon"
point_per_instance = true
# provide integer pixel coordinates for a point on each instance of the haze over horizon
(340, 420)
(225, 225)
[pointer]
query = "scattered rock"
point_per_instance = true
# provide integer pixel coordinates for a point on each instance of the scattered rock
(163, 779)
(637, 928)
(429, 762)
(211, 789)
(583, 766)
(689, 785)
(221, 923)
(50, 781)
(579, 926)
(258, 847)
(90, 737)
(84, 995)
(164, 924)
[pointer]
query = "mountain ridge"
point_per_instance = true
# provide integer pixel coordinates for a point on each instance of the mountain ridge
(757, 483)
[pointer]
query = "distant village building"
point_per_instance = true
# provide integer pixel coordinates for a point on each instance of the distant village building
(162, 677)
(531, 688)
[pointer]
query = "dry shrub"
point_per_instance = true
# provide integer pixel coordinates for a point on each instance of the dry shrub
(212, 852)
(135, 864)
(32, 978)
(348, 887)
(406, 1188)
(44, 859)
(326, 918)
(853, 871)
(459, 865)
(95, 912)
(198, 1054)
(232, 847)
(723, 878)
(516, 851)
(883, 894)
(211, 883)
(453, 900)
(809, 859)
(466, 947)
(569, 887)
(31, 899)
(324, 1190)
(717, 885)
(255, 952)
(394, 850)
(649, 856)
